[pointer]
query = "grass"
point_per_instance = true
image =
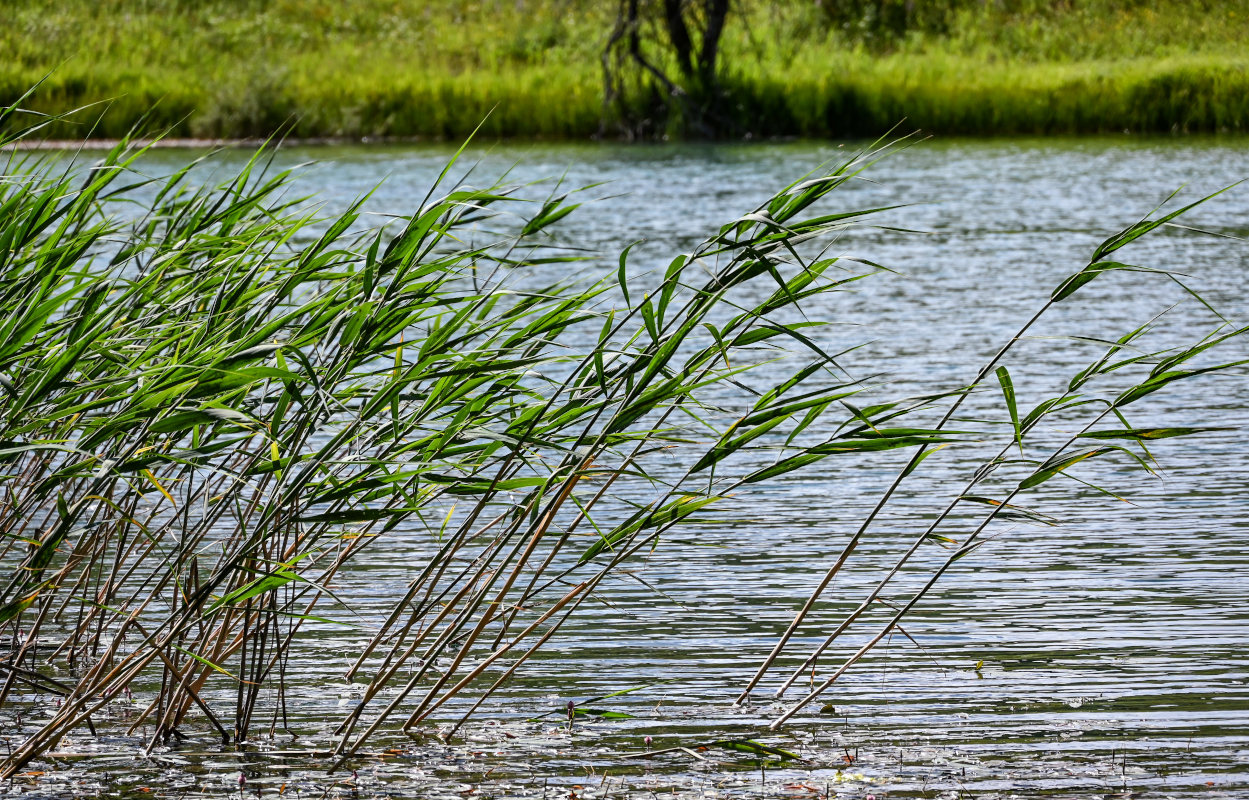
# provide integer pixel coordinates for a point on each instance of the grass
(435, 70)
(216, 400)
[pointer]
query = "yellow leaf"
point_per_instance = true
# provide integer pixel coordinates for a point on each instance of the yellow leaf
(156, 483)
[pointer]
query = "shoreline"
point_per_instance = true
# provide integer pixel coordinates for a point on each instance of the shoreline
(229, 75)
(196, 143)
(253, 142)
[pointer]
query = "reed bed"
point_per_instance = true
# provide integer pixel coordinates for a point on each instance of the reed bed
(217, 398)
(215, 404)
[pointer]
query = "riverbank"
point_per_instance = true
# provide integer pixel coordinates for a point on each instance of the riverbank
(532, 69)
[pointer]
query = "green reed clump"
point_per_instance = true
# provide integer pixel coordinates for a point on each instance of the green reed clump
(217, 399)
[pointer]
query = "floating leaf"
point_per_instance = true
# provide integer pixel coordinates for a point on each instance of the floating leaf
(600, 713)
(754, 748)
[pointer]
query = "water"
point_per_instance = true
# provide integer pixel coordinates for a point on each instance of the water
(1108, 656)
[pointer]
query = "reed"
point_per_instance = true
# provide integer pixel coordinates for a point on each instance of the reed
(216, 404)
(217, 399)
(1091, 402)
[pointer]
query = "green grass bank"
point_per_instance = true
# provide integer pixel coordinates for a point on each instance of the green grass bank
(435, 69)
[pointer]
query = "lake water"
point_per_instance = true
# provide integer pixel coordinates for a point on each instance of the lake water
(1105, 657)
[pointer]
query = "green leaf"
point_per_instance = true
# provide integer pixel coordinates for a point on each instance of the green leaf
(919, 459)
(1052, 467)
(465, 486)
(185, 420)
(355, 515)
(1010, 510)
(1008, 392)
(552, 211)
(621, 277)
(754, 748)
(672, 513)
(1140, 434)
(727, 446)
(887, 439)
(1156, 382)
(249, 590)
(10, 610)
(214, 667)
(600, 713)
(1084, 276)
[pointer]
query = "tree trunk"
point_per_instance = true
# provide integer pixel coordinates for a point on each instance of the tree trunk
(687, 103)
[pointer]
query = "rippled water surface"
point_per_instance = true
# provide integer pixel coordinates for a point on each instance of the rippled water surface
(1108, 656)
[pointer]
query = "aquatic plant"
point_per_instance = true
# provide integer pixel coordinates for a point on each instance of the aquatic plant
(219, 398)
(1090, 402)
(216, 400)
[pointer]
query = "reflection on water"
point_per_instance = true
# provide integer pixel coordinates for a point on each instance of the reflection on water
(1107, 656)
